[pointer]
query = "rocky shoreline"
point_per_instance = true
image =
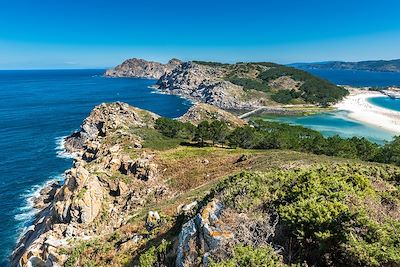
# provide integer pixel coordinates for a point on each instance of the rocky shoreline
(112, 177)
(68, 209)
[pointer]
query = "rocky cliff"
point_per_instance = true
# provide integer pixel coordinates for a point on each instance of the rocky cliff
(245, 86)
(139, 68)
(115, 176)
(104, 183)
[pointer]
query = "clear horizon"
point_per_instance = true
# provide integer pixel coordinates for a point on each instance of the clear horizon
(99, 34)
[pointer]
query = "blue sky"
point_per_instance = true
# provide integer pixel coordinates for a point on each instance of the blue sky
(89, 33)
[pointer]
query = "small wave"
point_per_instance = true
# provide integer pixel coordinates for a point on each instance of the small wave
(26, 214)
(60, 148)
(27, 211)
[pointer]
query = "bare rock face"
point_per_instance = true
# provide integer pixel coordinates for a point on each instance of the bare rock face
(215, 230)
(81, 198)
(205, 84)
(101, 189)
(104, 118)
(203, 229)
(139, 68)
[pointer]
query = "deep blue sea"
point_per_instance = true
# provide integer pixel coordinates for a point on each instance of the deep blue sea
(37, 108)
(358, 78)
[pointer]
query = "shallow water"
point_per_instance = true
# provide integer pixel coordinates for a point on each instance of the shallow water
(330, 124)
(386, 102)
(338, 122)
(37, 108)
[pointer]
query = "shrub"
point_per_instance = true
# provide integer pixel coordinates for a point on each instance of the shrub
(324, 210)
(252, 257)
(155, 254)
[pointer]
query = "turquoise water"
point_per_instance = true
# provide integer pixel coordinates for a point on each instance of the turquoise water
(386, 102)
(37, 108)
(338, 123)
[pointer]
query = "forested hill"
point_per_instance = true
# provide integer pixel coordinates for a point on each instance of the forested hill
(371, 65)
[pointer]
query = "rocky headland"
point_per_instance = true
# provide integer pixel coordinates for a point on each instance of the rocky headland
(113, 179)
(240, 86)
(139, 68)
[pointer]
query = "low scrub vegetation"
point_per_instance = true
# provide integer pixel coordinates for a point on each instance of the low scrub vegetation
(329, 216)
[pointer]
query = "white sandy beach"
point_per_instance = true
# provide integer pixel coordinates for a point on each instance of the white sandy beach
(361, 110)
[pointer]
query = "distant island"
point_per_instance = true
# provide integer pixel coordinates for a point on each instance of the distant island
(240, 86)
(370, 65)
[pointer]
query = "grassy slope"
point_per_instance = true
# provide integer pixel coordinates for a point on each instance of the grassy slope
(190, 172)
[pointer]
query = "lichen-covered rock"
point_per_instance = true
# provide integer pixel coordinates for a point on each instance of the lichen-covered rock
(204, 230)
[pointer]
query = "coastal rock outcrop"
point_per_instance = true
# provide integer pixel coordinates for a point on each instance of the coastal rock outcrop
(103, 119)
(201, 112)
(215, 230)
(205, 84)
(111, 177)
(139, 68)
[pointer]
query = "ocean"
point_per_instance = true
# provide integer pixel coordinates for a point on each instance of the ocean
(38, 108)
(358, 78)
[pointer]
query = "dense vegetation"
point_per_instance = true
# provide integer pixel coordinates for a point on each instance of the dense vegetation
(258, 75)
(261, 134)
(329, 216)
(313, 89)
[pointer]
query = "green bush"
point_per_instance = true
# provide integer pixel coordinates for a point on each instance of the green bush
(155, 254)
(248, 256)
(283, 96)
(249, 84)
(174, 129)
(325, 212)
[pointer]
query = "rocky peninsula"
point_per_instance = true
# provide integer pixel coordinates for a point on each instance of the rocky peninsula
(114, 178)
(240, 86)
